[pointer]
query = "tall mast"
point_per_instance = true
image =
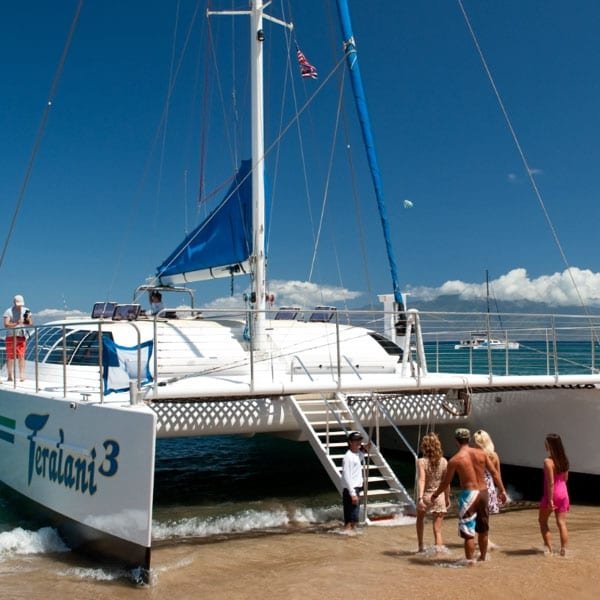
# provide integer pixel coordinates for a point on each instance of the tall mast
(258, 258)
(259, 289)
(487, 290)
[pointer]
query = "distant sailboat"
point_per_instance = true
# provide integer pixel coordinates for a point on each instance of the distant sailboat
(483, 340)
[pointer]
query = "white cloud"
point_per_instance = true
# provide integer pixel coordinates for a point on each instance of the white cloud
(287, 293)
(558, 289)
(296, 293)
(56, 314)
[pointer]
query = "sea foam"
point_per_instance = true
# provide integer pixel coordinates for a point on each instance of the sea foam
(21, 541)
(242, 522)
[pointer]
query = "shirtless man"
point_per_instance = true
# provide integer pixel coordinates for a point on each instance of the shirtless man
(470, 465)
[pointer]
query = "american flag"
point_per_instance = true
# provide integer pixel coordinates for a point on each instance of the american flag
(306, 69)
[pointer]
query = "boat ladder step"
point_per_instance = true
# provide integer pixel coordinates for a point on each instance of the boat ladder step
(376, 478)
(382, 492)
(344, 421)
(381, 482)
(379, 505)
(368, 467)
(317, 412)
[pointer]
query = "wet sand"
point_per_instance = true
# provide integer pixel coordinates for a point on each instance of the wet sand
(381, 563)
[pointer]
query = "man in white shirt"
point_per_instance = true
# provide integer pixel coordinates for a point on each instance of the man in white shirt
(352, 479)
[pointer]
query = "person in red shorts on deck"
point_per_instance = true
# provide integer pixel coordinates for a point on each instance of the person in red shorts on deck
(14, 318)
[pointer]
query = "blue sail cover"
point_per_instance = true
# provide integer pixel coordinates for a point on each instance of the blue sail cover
(221, 244)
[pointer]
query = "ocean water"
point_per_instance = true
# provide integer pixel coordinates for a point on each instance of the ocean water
(206, 490)
(532, 358)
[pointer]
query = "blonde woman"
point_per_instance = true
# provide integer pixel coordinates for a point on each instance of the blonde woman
(484, 441)
(431, 469)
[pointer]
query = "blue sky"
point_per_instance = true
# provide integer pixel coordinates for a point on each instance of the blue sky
(112, 193)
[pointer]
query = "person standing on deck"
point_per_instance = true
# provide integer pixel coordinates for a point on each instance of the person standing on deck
(15, 317)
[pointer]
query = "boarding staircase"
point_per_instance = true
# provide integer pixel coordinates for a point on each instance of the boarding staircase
(326, 422)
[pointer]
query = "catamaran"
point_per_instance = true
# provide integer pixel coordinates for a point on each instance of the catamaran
(479, 341)
(78, 436)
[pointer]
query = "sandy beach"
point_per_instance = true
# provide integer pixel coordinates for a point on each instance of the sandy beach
(380, 563)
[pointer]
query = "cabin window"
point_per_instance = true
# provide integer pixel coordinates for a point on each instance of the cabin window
(87, 353)
(81, 346)
(47, 338)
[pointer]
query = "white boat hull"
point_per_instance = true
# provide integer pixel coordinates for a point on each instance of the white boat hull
(90, 466)
(519, 421)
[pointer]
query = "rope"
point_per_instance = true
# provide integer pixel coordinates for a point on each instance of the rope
(528, 169)
(41, 129)
(226, 120)
(161, 124)
(327, 180)
(163, 145)
(357, 208)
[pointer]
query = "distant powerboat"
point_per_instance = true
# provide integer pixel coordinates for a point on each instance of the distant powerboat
(483, 342)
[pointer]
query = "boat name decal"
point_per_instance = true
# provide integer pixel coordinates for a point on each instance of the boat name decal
(56, 464)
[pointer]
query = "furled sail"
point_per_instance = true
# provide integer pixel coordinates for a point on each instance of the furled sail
(221, 245)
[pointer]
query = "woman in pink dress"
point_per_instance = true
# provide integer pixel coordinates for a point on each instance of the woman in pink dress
(431, 469)
(556, 495)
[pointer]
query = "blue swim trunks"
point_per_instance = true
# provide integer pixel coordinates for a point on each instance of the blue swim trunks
(473, 514)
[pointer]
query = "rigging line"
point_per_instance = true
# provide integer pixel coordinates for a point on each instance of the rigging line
(357, 208)
(291, 39)
(163, 117)
(289, 70)
(200, 126)
(299, 113)
(41, 129)
(340, 279)
(327, 180)
(273, 192)
(234, 106)
(161, 160)
(303, 162)
(490, 292)
(284, 91)
(226, 120)
(522, 155)
(207, 93)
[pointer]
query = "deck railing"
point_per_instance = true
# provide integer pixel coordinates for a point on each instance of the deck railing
(57, 346)
(548, 345)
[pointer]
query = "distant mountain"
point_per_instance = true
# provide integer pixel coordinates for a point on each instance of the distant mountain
(453, 303)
